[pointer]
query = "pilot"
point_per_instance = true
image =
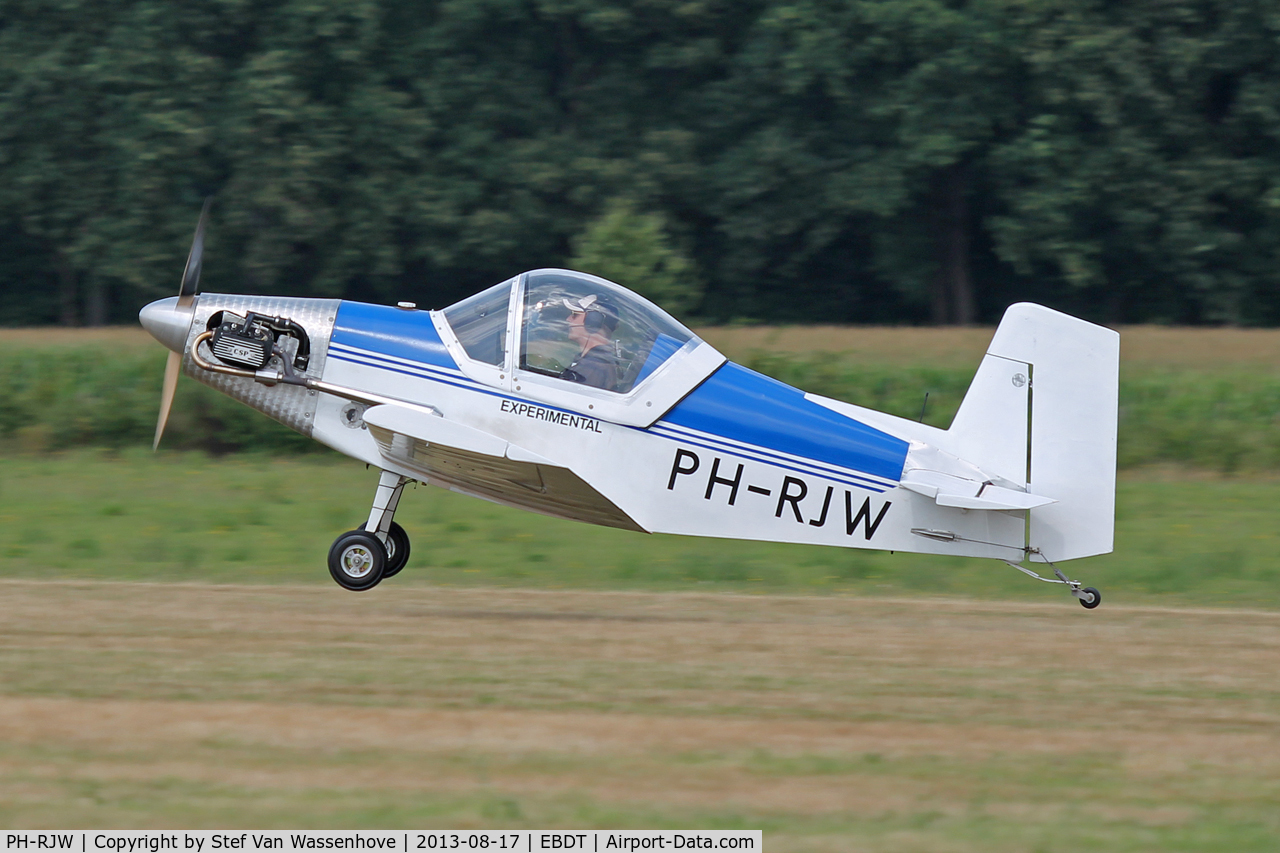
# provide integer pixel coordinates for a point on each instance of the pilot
(592, 322)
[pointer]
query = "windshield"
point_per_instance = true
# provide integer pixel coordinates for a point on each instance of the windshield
(587, 330)
(480, 323)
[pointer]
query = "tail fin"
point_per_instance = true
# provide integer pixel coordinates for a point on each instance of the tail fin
(1042, 412)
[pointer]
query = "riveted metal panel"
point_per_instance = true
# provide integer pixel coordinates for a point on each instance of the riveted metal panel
(290, 405)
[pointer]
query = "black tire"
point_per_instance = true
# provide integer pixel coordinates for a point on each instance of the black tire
(357, 560)
(397, 550)
(1090, 603)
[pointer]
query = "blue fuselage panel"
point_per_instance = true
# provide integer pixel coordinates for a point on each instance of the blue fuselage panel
(735, 410)
(743, 407)
(391, 331)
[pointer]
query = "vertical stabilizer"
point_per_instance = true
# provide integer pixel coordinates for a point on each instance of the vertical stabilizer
(990, 429)
(1074, 369)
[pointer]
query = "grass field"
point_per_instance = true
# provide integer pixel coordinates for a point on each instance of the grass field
(173, 653)
(833, 724)
(1181, 537)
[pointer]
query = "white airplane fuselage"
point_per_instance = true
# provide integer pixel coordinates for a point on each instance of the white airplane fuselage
(706, 447)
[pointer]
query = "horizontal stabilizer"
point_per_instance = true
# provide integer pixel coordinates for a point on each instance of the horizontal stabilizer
(994, 497)
(963, 493)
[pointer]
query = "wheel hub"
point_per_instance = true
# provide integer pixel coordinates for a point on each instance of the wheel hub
(357, 561)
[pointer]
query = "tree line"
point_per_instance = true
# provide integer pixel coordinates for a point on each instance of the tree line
(742, 160)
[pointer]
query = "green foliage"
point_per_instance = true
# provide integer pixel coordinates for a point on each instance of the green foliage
(633, 249)
(1224, 420)
(1229, 421)
(864, 161)
(110, 396)
(107, 396)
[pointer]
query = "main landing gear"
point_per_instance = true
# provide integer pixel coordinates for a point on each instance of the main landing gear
(359, 559)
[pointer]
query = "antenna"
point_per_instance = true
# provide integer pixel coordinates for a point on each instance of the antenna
(925, 406)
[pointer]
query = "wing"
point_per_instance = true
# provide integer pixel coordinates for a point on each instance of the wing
(468, 460)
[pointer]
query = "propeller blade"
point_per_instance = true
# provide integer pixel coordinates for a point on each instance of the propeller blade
(191, 275)
(172, 368)
(159, 326)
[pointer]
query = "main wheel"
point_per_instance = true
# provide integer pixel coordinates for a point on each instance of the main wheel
(357, 560)
(1092, 598)
(397, 549)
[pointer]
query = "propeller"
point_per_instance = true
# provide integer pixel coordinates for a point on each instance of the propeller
(186, 296)
(195, 258)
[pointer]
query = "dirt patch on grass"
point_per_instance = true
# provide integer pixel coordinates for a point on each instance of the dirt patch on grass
(116, 722)
(747, 705)
(114, 336)
(1150, 346)
(905, 345)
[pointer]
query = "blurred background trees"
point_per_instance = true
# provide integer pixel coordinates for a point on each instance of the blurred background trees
(890, 161)
(626, 245)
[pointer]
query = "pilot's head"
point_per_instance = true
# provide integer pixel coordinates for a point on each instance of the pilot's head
(591, 316)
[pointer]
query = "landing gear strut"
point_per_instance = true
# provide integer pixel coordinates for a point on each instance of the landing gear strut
(1089, 596)
(360, 559)
(397, 545)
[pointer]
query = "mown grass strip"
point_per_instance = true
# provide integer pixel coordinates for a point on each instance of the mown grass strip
(255, 518)
(833, 724)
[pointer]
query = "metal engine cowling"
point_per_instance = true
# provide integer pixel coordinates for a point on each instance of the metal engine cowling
(290, 405)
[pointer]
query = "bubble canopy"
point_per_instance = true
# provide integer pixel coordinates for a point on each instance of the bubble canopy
(556, 332)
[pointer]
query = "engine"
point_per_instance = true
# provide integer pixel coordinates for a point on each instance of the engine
(250, 341)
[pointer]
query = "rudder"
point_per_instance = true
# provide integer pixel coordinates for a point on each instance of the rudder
(1073, 402)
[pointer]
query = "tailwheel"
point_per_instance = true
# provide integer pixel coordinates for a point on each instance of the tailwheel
(1089, 596)
(397, 546)
(357, 560)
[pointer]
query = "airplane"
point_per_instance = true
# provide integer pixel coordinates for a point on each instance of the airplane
(568, 395)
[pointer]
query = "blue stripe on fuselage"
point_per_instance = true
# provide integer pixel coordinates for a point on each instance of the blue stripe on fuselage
(391, 331)
(741, 405)
(734, 403)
